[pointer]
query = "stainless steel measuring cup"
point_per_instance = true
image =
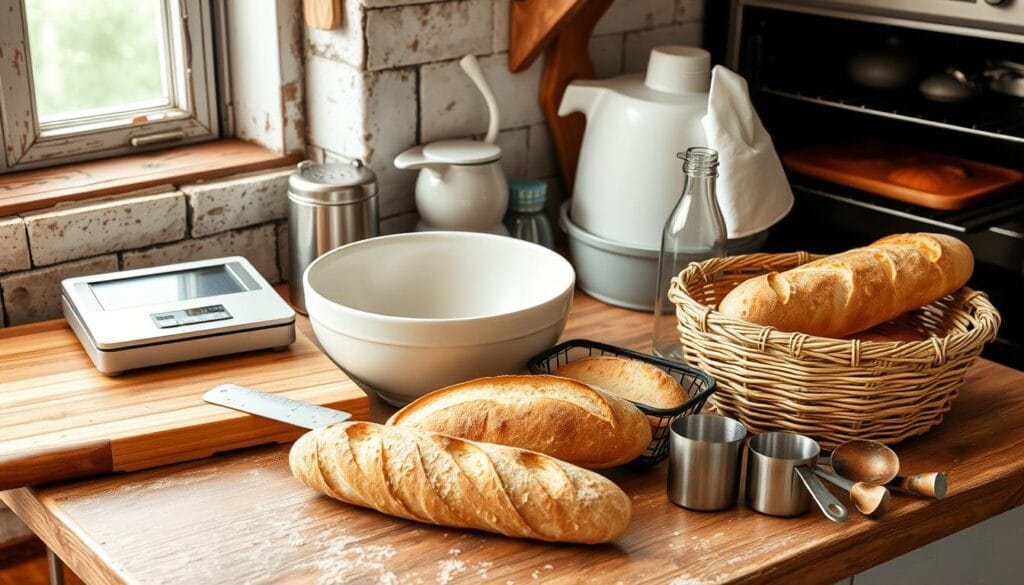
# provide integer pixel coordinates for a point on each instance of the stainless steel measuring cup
(705, 453)
(780, 475)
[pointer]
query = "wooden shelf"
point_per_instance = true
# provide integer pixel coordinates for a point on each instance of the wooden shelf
(38, 189)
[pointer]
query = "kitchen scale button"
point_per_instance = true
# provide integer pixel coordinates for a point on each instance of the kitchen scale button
(165, 320)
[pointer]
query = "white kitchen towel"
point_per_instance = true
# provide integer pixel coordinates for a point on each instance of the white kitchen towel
(752, 188)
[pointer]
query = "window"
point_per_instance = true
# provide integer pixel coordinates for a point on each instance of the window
(83, 79)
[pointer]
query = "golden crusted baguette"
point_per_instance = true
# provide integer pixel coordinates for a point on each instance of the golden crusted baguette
(556, 416)
(443, 480)
(630, 379)
(855, 290)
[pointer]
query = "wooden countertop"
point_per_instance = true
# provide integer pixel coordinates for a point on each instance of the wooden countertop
(242, 518)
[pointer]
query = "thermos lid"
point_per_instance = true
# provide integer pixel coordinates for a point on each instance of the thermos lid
(334, 183)
(679, 69)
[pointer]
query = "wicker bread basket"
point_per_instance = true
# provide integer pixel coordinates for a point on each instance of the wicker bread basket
(830, 389)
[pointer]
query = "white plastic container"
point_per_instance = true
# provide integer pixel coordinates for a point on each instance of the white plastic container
(623, 275)
(628, 178)
(609, 271)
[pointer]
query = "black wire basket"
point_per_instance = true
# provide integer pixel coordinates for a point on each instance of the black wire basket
(697, 384)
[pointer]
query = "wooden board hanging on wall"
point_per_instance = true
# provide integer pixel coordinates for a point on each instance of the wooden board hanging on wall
(322, 14)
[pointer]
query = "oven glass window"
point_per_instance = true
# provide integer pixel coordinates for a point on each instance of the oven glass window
(165, 288)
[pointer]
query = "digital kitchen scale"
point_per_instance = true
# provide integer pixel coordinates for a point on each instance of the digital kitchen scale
(174, 313)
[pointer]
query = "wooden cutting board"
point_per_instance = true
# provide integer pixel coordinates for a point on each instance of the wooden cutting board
(928, 179)
(60, 418)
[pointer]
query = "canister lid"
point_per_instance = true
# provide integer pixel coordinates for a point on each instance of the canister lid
(332, 183)
(527, 195)
(462, 152)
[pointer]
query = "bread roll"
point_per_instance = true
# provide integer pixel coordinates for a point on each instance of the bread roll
(849, 292)
(447, 481)
(630, 379)
(555, 416)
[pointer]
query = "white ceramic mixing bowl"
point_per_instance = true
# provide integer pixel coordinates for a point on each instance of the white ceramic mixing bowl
(410, 313)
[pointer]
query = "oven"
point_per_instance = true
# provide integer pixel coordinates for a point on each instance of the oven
(936, 76)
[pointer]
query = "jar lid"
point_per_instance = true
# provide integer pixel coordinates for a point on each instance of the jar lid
(462, 152)
(332, 183)
(527, 195)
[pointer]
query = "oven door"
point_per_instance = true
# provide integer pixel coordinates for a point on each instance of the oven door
(824, 73)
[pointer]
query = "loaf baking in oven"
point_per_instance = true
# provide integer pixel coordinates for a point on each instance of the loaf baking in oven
(855, 290)
(556, 416)
(443, 480)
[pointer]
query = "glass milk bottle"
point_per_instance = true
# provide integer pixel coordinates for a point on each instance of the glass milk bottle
(695, 231)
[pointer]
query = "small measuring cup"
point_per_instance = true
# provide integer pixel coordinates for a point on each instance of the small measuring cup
(705, 456)
(781, 480)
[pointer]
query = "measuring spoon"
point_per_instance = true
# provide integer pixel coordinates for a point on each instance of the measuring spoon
(872, 462)
(869, 499)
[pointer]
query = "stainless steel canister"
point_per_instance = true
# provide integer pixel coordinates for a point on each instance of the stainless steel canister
(705, 452)
(329, 205)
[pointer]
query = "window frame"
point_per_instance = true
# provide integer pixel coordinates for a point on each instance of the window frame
(191, 117)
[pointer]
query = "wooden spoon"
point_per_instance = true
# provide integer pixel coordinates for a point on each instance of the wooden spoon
(867, 498)
(866, 461)
(929, 485)
(872, 462)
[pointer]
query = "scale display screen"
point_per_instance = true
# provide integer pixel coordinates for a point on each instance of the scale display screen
(168, 287)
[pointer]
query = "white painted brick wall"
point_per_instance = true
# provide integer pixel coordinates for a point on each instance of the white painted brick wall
(513, 145)
(541, 156)
(34, 295)
(689, 10)
(450, 104)
(630, 15)
(283, 262)
(13, 245)
(501, 21)
(224, 205)
(345, 43)
(257, 244)
(80, 231)
(606, 55)
(421, 33)
(368, 115)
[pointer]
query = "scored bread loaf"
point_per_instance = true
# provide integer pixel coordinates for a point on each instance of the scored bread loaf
(555, 416)
(855, 290)
(630, 379)
(443, 480)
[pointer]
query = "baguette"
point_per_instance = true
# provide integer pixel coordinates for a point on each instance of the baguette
(433, 478)
(855, 290)
(556, 416)
(630, 379)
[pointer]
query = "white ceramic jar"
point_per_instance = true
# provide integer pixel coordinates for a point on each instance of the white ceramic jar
(628, 178)
(461, 185)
